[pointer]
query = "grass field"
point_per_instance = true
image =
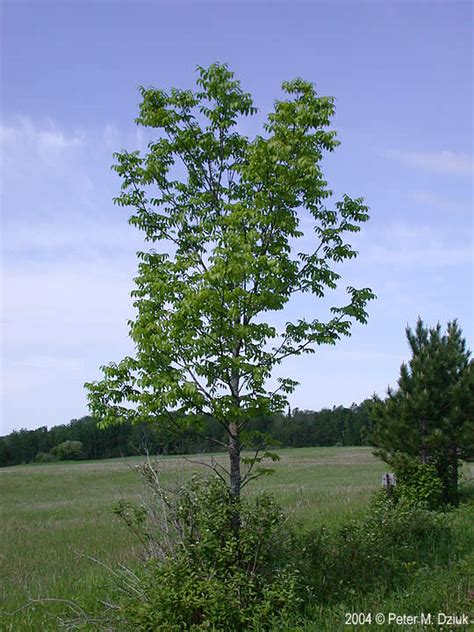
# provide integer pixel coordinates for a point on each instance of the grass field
(57, 526)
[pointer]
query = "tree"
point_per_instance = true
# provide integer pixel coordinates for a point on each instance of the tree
(430, 416)
(68, 450)
(226, 211)
(5, 458)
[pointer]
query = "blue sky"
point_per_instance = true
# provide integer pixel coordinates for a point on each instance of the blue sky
(401, 73)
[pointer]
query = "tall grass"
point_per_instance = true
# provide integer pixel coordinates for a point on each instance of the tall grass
(57, 524)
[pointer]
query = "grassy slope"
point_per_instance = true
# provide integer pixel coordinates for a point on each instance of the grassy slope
(54, 517)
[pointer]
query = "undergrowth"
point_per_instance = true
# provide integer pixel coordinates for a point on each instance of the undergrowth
(205, 571)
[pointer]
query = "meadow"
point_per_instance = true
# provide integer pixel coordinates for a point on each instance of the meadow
(59, 537)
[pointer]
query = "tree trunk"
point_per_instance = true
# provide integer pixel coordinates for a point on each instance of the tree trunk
(234, 431)
(424, 451)
(454, 466)
(234, 455)
(235, 475)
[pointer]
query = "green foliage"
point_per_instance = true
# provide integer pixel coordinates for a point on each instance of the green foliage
(258, 575)
(215, 573)
(377, 552)
(418, 484)
(65, 507)
(5, 453)
(430, 417)
(67, 451)
(346, 426)
(45, 457)
(223, 214)
(174, 597)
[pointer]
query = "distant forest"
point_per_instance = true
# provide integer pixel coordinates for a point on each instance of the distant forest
(299, 428)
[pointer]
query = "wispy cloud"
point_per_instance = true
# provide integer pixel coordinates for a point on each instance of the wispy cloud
(47, 135)
(47, 141)
(61, 321)
(77, 237)
(68, 259)
(434, 201)
(420, 246)
(442, 162)
(430, 256)
(57, 194)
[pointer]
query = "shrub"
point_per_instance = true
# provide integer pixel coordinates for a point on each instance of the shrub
(68, 450)
(45, 457)
(209, 566)
(207, 570)
(418, 484)
(376, 552)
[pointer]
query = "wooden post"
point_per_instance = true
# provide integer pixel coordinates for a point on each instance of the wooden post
(389, 481)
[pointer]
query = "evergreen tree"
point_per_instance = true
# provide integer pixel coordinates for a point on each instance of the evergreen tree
(430, 416)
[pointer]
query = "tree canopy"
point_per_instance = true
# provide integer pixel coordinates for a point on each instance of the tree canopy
(223, 214)
(348, 426)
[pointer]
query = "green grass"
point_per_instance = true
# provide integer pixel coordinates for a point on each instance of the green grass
(55, 517)
(439, 589)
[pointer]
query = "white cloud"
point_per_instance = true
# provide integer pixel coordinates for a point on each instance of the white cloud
(68, 259)
(61, 321)
(46, 143)
(418, 245)
(424, 256)
(24, 130)
(79, 236)
(57, 194)
(443, 161)
(67, 305)
(433, 201)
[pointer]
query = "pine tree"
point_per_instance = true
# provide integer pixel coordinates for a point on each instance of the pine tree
(429, 417)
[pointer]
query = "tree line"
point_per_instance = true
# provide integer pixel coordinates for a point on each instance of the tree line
(339, 425)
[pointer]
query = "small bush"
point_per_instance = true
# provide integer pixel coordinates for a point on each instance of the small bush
(67, 451)
(206, 570)
(44, 457)
(377, 552)
(418, 484)
(209, 569)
